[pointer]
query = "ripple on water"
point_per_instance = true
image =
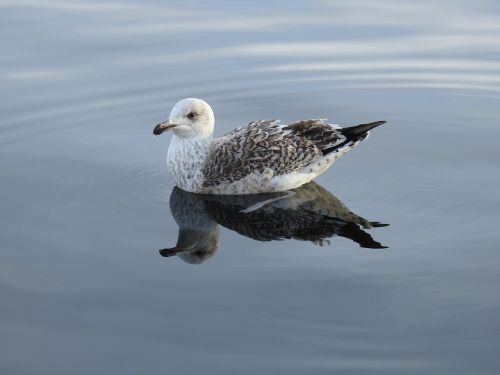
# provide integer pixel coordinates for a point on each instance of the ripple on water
(138, 188)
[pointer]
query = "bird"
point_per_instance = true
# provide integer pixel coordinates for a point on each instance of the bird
(310, 214)
(263, 156)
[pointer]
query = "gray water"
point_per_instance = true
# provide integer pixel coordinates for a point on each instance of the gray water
(85, 190)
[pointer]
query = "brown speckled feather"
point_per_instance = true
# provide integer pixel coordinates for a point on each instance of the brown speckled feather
(324, 136)
(258, 146)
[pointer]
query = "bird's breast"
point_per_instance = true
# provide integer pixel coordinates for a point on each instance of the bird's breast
(185, 161)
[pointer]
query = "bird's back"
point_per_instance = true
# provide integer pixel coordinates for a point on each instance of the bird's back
(264, 156)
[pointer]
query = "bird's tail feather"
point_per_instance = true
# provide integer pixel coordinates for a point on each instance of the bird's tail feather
(355, 133)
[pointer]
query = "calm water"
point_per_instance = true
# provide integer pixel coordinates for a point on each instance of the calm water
(85, 191)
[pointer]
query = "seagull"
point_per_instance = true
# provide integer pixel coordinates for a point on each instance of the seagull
(260, 157)
(312, 214)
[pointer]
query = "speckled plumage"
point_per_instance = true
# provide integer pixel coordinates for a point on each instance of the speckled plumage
(255, 147)
(260, 157)
(309, 213)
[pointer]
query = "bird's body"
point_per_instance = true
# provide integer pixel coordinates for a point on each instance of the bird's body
(309, 213)
(260, 157)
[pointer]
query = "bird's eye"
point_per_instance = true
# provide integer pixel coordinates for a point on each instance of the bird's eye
(191, 115)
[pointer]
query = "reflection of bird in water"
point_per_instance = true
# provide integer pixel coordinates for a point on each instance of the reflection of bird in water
(309, 213)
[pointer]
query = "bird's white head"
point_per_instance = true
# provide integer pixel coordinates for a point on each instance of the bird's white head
(190, 118)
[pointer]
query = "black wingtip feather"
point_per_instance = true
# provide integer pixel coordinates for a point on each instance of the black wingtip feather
(358, 131)
(353, 134)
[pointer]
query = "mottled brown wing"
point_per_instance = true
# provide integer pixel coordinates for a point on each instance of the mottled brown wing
(254, 148)
(324, 136)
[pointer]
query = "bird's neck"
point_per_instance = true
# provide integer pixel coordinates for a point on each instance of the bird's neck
(185, 159)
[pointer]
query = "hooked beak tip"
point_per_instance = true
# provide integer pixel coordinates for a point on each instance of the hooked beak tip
(163, 126)
(168, 252)
(157, 130)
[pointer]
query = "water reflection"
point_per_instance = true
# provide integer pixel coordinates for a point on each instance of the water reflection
(309, 213)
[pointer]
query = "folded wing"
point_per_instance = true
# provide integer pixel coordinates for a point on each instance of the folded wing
(255, 147)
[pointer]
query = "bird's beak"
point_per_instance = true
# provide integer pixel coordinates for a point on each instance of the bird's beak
(171, 251)
(163, 126)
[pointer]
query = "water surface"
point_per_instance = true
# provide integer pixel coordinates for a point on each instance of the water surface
(85, 190)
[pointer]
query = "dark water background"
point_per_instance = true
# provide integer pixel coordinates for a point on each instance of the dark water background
(85, 190)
